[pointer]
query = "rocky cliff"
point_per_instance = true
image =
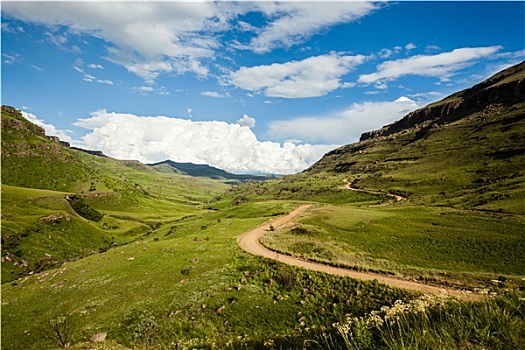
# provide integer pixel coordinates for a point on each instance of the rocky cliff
(506, 87)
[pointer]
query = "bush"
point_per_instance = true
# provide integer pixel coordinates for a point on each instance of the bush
(83, 209)
(59, 331)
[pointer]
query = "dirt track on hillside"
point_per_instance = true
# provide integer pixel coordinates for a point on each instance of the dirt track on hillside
(348, 186)
(250, 242)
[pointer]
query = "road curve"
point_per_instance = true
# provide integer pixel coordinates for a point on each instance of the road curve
(348, 186)
(250, 242)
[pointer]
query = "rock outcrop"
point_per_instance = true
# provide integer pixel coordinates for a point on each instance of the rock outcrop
(503, 88)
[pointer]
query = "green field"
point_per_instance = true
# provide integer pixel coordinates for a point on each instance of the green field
(407, 240)
(181, 275)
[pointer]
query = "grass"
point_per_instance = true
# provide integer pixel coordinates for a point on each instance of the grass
(40, 230)
(181, 279)
(110, 202)
(398, 239)
(474, 162)
(433, 323)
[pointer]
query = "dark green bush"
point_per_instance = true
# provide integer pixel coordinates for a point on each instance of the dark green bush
(83, 209)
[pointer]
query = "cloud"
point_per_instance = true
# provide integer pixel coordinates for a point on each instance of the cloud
(50, 129)
(410, 46)
(154, 38)
(432, 48)
(385, 53)
(148, 38)
(426, 96)
(144, 90)
(293, 22)
(311, 77)
(56, 39)
(10, 59)
(91, 78)
(213, 94)
(345, 126)
(246, 121)
(442, 65)
(232, 147)
(95, 66)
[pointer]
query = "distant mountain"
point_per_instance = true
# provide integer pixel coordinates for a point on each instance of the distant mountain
(204, 170)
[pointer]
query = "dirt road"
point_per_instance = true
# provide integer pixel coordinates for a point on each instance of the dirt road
(250, 242)
(348, 186)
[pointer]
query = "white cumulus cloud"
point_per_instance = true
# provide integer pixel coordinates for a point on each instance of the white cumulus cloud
(246, 121)
(95, 66)
(148, 38)
(232, 147)
(410, 46)
(345, 126)
(442, 65)
(152, 38)
(311, 77)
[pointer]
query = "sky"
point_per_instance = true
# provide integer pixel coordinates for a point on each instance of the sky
(249, 87)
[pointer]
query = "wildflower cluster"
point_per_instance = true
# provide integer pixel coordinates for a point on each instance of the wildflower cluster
(357, 331)
(393, 313)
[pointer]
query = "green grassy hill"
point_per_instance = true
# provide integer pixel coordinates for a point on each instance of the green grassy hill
(60, 204)
(460, 165)
(466, 151)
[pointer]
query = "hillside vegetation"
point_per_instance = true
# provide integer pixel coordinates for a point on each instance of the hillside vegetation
(60, 204)
(148, 257)
(459, 166)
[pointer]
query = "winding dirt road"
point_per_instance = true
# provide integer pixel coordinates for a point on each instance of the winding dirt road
(250, 242)
(348, 186)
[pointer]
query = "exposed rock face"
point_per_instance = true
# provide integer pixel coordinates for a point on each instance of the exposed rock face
(504, 88)
(93, 153)
(19, 123)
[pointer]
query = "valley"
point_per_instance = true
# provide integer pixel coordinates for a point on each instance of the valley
(352, 253)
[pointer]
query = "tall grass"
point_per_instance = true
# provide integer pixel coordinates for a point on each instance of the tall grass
(435, 322)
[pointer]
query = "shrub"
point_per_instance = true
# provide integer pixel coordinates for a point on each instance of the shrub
(83, 209)
(59, 331)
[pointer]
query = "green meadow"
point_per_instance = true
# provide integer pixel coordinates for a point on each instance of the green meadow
(94, 245)
(432, 243)
(193, 281)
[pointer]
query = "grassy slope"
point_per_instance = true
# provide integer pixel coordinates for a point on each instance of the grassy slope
(465, 184)
(434, 244)
(40, 229)
(475, 163)
(181, 276)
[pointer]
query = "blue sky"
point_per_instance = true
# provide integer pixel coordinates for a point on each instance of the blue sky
(247, 86)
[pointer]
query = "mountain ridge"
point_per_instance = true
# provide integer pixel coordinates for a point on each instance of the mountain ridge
(501, 88)
(467, 155)
(205, 170)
